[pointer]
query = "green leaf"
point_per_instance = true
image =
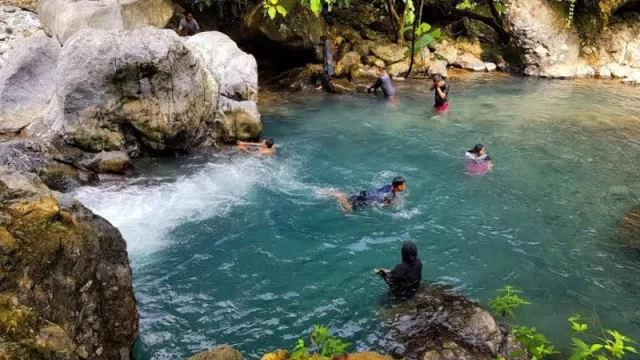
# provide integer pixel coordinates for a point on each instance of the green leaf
(281, 10)
(580, 344)
(436, 34)
(273, 1)
(425, 40)
(595, 347)
(579, 355)
(630, 349)
(423, 28)
(316, 6)
(272, 12)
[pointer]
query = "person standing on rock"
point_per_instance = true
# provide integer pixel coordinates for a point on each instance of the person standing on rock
(383, 82)
(404, 279)
(188, 26)
(441, 88)
(327, 60)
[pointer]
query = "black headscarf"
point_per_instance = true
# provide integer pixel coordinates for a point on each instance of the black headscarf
(404, 279)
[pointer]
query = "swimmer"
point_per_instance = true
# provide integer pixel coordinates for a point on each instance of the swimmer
(383, 82)
(404, 279)
(264, 148)
(441, 88)
(383, 196)
(478, 162)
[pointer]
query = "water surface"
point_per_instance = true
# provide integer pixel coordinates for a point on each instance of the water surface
(231, 249)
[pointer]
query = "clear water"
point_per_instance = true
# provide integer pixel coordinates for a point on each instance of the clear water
(230, 249)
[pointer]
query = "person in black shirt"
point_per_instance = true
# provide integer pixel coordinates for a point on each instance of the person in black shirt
(441, 88)
(404, 279)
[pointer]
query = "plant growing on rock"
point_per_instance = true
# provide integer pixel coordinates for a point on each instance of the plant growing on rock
(326, 346)
(505, 304)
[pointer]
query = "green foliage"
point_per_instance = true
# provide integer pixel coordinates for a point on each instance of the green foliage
(426, 37)
(273, 8)
(326, 346)
(616, 344)
(504, 305)
(536, 344)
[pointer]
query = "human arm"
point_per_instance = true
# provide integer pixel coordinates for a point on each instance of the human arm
(441, 93)
(384, 274)
(248, 143)
(433, 86)
(376, 85)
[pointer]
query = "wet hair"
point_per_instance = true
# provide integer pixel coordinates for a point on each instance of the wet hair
(409, 252)
(269, 143)
(397, 181)
(436, 78)
(476, 149)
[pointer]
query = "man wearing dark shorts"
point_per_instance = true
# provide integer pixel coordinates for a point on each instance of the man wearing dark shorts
(382, 196)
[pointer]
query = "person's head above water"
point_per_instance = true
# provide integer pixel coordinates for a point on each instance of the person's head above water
(409, 252)
(379, 71)
(479, 150)
(437, 79)
(189, 16)
(268, 143)
(399, 184)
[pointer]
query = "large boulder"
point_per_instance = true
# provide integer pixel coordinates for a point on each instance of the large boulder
(548, 47)
(63, 18)
(389, 53)
(236, 120)
(620, 43)
(139, 91)
(15, 24)
(31, 66)
(438, 67)
(235, 71)
(398, 68)
(66, 290)
(438, 320)
(349, 62)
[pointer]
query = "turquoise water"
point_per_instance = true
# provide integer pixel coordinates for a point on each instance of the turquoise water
(230, 249)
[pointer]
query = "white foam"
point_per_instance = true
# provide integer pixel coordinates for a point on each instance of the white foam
(146, 214)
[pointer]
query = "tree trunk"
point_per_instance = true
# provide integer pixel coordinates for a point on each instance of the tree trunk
(416, 21)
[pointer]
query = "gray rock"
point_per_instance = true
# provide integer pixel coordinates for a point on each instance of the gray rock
(139, 90)
(63, 18)
(363, 47)
(15, 24)
(491, 66)
(348, 63)
(585, 71)
(223, 352)
(448, 53)
(27, 82)
(437, 321)
(470, 62)
(237, 120)
(398, 68)
(604, 72)
(374, 61)
(113, 162)
(438, 67)
(537, 30)
(620, 43)
(389, 53)
(234, 70)
(618, 71)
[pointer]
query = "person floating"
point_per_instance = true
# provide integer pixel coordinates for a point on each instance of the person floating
(327, 60)
(441, 88)
(477, 160)
(404, 279)
(383, 82)
(383, 196)
(262, 148)
(188, 26)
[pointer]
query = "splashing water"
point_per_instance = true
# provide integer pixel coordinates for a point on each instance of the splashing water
(252, 251)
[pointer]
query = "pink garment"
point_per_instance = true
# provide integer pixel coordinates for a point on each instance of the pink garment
(479, 168)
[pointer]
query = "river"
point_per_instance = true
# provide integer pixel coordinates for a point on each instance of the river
(232, 249)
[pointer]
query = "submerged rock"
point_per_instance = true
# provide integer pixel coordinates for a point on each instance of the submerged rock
(32, 65)
(66, 288)
(112, 162)
(342, 86)
(629, 228)
(439, 324)
(222, 352)
(63, 18)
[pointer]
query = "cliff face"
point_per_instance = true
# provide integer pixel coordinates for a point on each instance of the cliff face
(65, 280)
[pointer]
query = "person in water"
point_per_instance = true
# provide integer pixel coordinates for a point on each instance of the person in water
(262, 148)
(383, 82)
(383, 196)
(327, 60)
(478, 162)
(441, 88)
(404, 279)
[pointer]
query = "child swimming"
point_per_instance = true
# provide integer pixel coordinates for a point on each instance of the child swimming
(477, 160)
(383, 196)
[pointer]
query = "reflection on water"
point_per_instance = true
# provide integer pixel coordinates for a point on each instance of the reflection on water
(229, 249)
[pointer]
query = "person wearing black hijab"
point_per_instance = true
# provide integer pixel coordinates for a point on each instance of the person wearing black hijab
(404, 279)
